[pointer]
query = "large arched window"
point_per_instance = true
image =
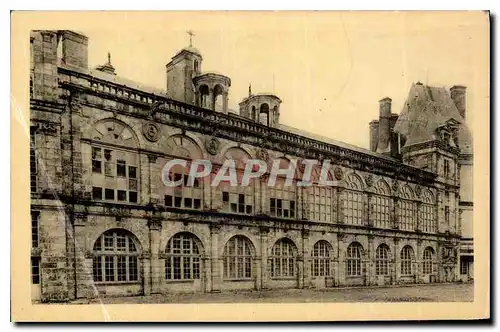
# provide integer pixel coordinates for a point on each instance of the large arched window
(407, 259)
(115, 257)
(320, 198)
(353, 201)
(428, 214)
(428, 260)
(283, 259)
(184, 195)
(183, 257)
(407, 208)
(382, 260)
(381, 205)
(321, 259)
(354, 259)
(238, 258)
(282, 197)
(115, 162)
(238, 199)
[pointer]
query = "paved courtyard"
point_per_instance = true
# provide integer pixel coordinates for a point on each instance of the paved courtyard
(415, 293)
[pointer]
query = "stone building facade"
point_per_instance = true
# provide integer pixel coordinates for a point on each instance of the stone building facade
(103, 224)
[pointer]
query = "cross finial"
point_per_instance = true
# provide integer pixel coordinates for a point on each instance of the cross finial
(191, 34)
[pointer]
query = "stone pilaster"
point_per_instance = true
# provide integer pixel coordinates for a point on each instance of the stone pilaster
(370, 264)
(419, 278)
(53, 265)
(216, 271)
(341, 268)
(396, 272)
(154, 181)
(145, 261)
(155, 226)
(368, 209)
(306, 247)
(264, 276)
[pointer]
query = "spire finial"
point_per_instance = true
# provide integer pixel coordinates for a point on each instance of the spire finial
(109, 57)
(249, 89)
(191, 34)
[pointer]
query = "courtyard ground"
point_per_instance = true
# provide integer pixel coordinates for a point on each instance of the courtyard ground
(413, 293)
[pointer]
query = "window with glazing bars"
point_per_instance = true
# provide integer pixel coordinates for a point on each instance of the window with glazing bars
(183, 258)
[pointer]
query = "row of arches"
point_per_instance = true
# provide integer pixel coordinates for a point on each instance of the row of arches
(116, 258)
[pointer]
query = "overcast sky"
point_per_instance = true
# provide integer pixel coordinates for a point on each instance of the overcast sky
(329, 68)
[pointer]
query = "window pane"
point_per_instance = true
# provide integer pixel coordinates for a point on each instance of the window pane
(109, 194)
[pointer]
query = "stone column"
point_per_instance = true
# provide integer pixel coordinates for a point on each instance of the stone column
(306, 249)
(156, 270)
(145, 259)
(215, 265)
(264, 258)
(396, 262)
(418, 263)
(370, 266)
(224, 102)
(341, 268)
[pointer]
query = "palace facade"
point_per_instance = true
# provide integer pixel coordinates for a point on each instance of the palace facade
(103, 223)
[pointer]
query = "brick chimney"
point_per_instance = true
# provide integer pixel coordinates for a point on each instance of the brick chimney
(384, 128)
(458, 94)
(373, 135)
(74, 49)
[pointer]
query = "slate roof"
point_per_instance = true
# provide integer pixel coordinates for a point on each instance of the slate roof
(426, 109)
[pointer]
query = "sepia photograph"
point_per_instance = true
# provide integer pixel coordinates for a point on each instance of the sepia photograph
(251, 158)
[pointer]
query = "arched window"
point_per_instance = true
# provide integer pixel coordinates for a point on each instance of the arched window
(407, 259)
(115, 162)
(183, 256)
(184, 195)
(196, 66)
(204, 93)
(353, 202)
(218, 98)
(381, 205)
(283, 259)
(254, 114)
(382, 260)
(407, 208)
(428, 214)
(354, 259)
(282, 197)
(264, 114)
(115, 257)
(320, 198)
(238, 258)
(238, 199)
(321, 259)
(428, 259)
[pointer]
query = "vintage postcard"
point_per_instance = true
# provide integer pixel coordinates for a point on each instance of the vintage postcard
(251, 166)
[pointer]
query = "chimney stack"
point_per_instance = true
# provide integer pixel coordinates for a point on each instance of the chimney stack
(74, 49)
(373, 135)
(384, 129)
(458, 94)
